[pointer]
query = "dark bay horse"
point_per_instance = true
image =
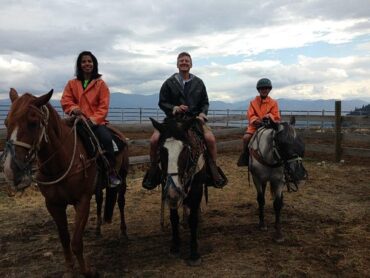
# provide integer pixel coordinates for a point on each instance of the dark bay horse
(276, 154)
(65, 175)
(182, 163)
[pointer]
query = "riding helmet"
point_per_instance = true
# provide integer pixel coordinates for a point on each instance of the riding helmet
(263, 83)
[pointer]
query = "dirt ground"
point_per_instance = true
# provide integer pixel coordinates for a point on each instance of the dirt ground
(326, 227)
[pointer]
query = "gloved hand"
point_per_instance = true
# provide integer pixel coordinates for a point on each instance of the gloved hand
(90, 122)
(76, 112)
(257, 123)
(202, 117)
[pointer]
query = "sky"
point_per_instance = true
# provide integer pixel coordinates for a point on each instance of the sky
(311, 49)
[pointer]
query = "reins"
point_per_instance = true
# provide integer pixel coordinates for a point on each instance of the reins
(74, 129)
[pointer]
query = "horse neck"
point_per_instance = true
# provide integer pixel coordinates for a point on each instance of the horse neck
(59, 141)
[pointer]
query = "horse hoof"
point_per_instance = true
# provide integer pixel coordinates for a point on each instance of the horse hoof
(123, 238)
(93, 273)
(278, 239)
(174, 254)
(263, 227)
(194, 262)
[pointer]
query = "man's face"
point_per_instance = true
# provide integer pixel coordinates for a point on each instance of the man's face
(184, 63)
(264, 91)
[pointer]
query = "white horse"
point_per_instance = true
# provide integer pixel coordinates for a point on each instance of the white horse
(275, 156)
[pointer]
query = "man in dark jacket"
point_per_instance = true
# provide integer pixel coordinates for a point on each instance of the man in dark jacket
(181, 93)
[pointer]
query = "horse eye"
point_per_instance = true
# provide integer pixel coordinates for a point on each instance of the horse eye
(33, 125)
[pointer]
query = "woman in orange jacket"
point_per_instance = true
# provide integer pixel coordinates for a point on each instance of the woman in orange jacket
(88, 95)
(261, 108)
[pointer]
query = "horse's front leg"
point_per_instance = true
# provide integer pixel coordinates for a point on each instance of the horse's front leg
(60, 218)
(278, 204)
(175, 242)
(99, 203)
(82, 213)
(261, 188)
(194, 202)
(121, 204)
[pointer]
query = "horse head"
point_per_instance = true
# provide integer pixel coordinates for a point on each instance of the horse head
(181, 156)
(291, 149)
(26, 128)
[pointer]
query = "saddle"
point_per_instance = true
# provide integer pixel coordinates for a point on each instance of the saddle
(89, 140)
(212, 170)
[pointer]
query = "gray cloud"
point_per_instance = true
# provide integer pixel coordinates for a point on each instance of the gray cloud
(136, 43)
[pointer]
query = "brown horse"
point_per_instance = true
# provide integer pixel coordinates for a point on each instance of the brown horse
(65, 175)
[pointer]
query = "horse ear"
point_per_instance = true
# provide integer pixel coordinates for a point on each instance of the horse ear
(13, 95)
(158, 126)
(42, 100)
(292, 120)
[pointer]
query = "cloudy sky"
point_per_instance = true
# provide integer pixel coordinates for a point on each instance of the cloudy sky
(310, 49)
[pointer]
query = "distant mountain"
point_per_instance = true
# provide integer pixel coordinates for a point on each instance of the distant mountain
(120, 100)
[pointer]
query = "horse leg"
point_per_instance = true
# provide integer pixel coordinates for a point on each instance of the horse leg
(278, 204)
(121, 204)
(82, 209)
(194, 202)
(175, 243)
(99, 202)
(60, 218)
(261, 188)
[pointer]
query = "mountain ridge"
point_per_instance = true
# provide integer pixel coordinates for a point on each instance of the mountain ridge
(121, 100)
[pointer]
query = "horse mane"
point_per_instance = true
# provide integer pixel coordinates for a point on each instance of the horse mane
(290, 133)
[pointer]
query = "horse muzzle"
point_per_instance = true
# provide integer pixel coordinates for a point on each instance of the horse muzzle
(173, 191)
(16, 174)
(297, 171)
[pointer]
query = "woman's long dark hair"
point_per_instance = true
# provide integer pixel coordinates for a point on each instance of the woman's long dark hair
(79, 73)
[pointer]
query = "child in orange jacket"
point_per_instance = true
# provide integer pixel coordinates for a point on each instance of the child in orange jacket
(260, 108)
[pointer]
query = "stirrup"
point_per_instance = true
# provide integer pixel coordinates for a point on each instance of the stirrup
(220, 183)
(114, 181)
(243, 160)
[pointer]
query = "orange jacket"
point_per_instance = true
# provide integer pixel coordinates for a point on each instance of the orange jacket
(260, 108)
(93, 101)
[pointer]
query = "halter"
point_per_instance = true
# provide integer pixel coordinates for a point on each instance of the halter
(290, 182)
(189, 175)
(25, 166)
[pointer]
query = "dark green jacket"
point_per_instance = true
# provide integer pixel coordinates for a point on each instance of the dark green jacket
(172, 94)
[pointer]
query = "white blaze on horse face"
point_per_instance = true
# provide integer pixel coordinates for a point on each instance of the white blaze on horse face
(174, 148)
(8, 172)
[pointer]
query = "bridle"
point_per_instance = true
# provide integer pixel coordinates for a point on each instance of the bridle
(191, 167)
(26, 165)
(290, 181)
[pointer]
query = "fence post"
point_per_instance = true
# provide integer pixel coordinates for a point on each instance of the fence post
(228, 114)
(322, 121)
(338, 130)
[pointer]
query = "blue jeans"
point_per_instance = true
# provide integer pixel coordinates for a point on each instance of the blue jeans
(105, 139)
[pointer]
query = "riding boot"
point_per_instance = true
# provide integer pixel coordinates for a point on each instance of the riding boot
(114, 178)
(218, 178)
(152, 177)
(244, 157)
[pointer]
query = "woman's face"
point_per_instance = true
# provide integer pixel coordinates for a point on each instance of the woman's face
(87, 64)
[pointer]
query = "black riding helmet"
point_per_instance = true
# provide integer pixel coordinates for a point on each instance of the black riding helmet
(264, 83)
